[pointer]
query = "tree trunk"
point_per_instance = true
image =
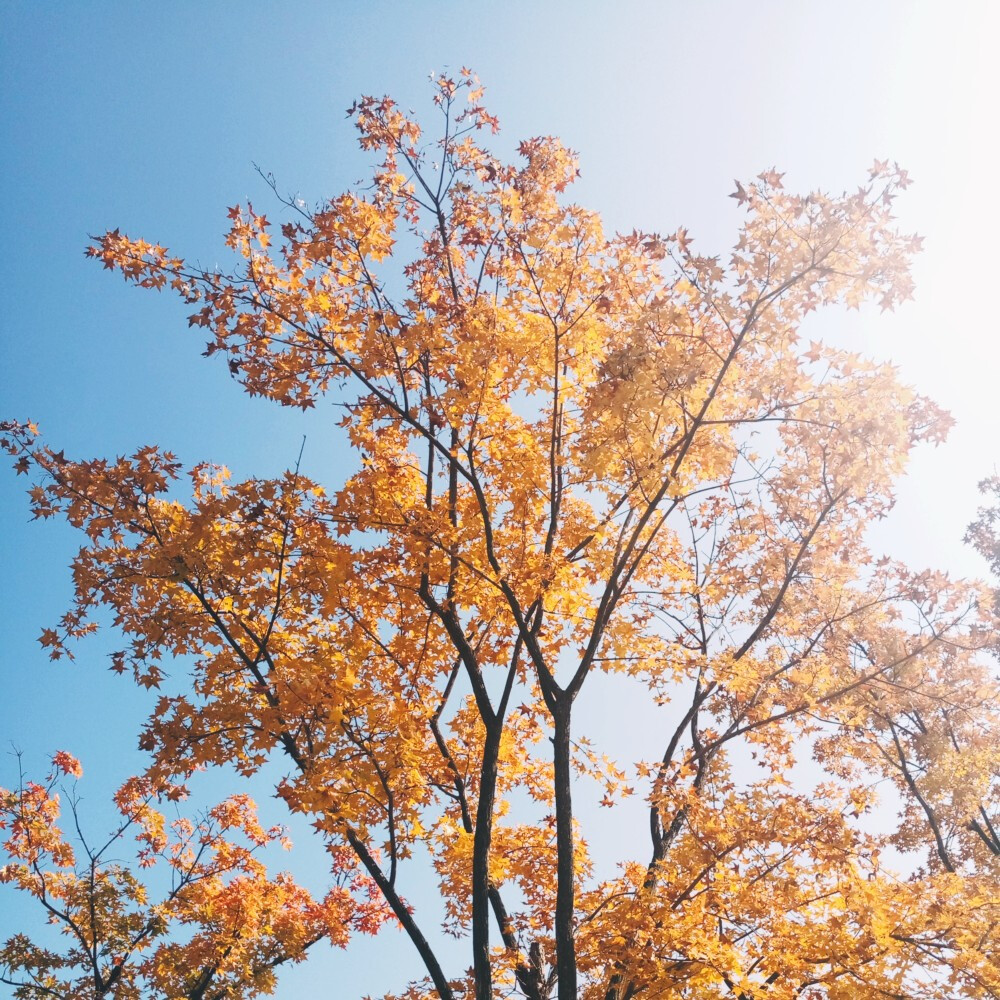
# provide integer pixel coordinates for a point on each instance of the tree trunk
(482, 839)
(565, 945)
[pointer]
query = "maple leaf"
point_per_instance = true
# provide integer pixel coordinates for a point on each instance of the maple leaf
(67, 764)
(815, 351)
(49, 637)
(740, 194)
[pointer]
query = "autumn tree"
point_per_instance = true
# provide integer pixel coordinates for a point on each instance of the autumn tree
(578, 453)
(219, 928)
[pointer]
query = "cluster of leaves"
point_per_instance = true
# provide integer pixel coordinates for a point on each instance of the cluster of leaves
(578, 453)
(219, 926)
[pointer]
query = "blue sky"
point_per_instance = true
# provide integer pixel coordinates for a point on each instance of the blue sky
(151, 116)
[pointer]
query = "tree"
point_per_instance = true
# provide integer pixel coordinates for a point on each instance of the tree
(236, 924)
(577, 454)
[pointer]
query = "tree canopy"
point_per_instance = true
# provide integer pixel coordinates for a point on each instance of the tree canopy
(577, 454)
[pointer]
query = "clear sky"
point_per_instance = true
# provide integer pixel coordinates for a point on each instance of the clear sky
(150, 116)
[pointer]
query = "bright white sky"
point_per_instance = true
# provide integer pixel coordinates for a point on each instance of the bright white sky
(148, 117)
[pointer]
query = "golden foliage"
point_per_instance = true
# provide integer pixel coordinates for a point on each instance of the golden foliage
(578, 453)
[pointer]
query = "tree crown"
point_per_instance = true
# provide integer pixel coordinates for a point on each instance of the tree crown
(577, 453)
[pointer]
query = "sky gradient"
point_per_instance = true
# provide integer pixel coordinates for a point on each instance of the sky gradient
(151, 117)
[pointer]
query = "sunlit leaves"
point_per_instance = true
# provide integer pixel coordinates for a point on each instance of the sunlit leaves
(575, 452)
(216, 923)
